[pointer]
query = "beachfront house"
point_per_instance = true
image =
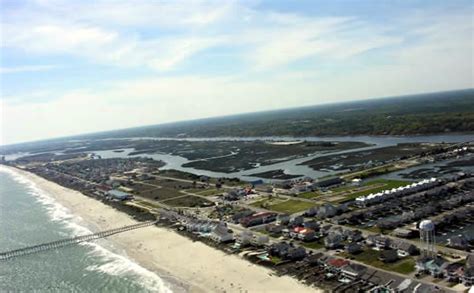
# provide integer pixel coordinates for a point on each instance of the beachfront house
(221, 233)
(279, 249)
(295, 253)
(260, 240)
(118, 195)
(336, 264)
(353, 271)
(244, 238)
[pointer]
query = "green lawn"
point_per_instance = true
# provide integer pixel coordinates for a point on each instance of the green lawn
(290, 206)
(309, 194)
(187, 201)
(406, 266)
(210, 192)
(342, 188)
(370, 257)
(313, 245)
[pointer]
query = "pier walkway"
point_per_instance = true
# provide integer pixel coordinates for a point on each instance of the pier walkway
(70, 241)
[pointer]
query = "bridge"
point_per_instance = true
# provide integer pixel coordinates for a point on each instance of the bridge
(70, 241)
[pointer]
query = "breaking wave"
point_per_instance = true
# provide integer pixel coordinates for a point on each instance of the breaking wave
(109, 262)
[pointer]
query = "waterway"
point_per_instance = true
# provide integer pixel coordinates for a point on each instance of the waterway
(291, 167)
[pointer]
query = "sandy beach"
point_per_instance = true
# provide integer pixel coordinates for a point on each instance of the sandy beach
(198, 267)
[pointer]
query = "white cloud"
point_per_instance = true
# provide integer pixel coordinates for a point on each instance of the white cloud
(420, 52)
(27, 68)
(162, 35)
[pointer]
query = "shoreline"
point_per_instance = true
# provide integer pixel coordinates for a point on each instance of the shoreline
(191, 265)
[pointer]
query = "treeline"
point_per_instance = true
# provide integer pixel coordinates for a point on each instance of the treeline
(408, 115)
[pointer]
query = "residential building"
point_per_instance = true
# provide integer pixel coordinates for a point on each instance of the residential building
(468, 277)
(404, 233)
(274, 229)
(296, 221)
(221, 233)
(326, 211)
(353, 235)
(454, 272)
(403, 248)
(353, 248)
(295, 253)
(257, 219)
(333, 240)
(433, 266)
(458, 242)
(353, 271)
(118, 195)
(282, 219)
(388, 256)
(379, 241)
(336, 264)
(279, 249)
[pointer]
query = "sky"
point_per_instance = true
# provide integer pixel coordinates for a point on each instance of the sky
(72, 67)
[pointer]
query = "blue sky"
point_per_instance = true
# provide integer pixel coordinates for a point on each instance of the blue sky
(70, 67)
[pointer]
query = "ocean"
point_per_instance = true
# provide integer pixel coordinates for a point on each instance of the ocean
(29, 216)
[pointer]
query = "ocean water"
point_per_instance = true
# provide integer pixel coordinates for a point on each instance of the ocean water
(29, 216)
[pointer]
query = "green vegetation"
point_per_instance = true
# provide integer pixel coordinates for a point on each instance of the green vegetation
(160, 193)
(275, 259)
(342, 188)
(377, 171)
(290, 206)
(187, 201)
(146, 203)
(365, 161)
(370, 257)
(381, 185)
(246, 154)
(404, 267)
(189, 176)
(313, 245)
(275, 174)
(210, 192)
(417, 114)
(309, 194)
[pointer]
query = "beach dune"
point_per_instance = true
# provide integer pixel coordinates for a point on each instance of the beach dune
(198, 267)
